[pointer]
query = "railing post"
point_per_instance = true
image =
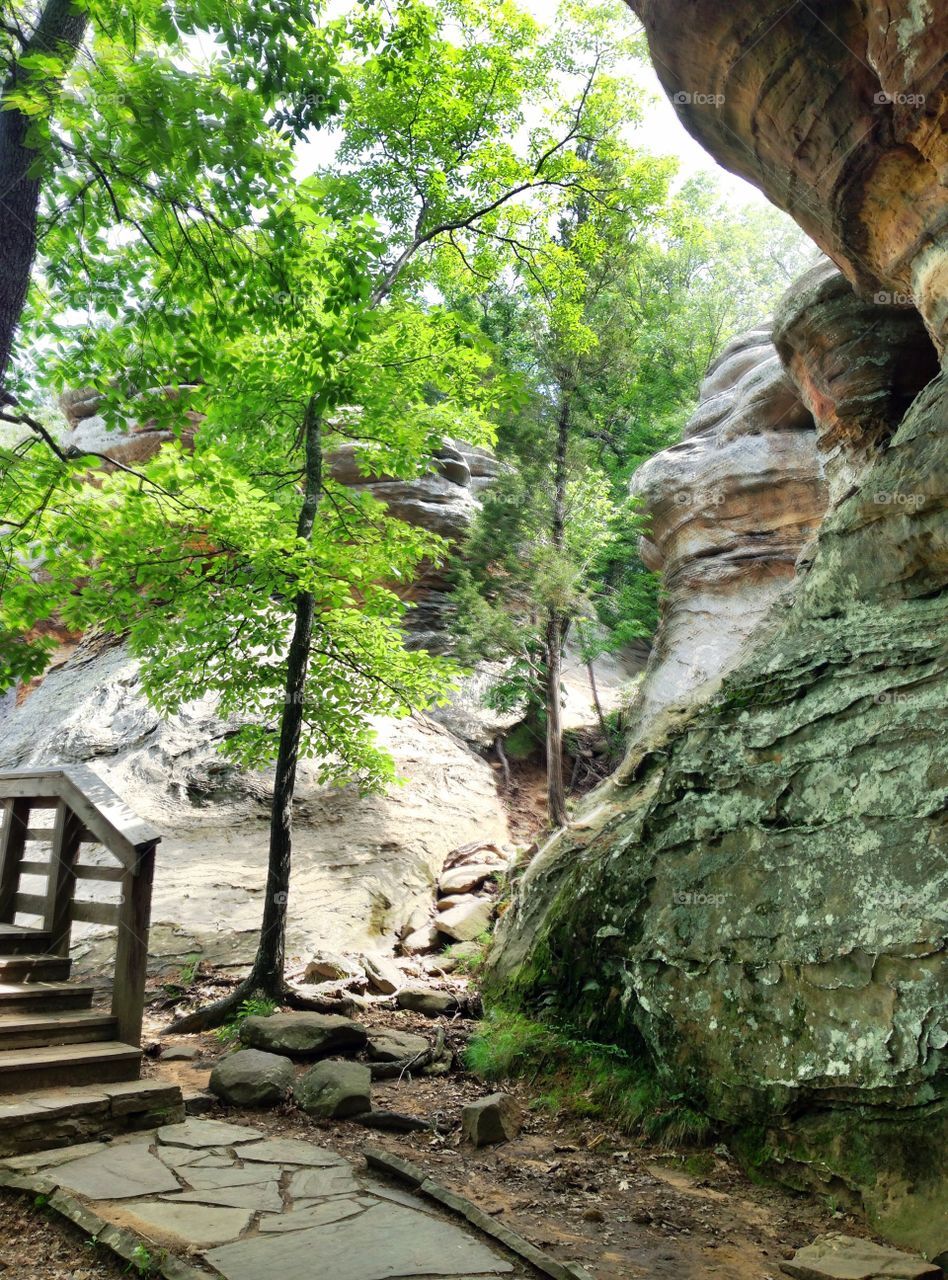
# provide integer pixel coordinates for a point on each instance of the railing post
(60, 886)
(12, 844)
(131, 952)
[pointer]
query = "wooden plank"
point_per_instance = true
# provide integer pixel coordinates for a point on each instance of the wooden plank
(97, 913)
(60, 884)
(115, 874)
(34, 868)
(44, 997)
(16, 820)
(107, 815)
(40, 833)
(103, 813)
(29, 783)
(69, 1065)
(131, 950)
(31, 904)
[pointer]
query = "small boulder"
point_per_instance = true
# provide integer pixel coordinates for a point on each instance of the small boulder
(492, 1119)
(251, 1078)
(303, 1034)
(467, 921)
(391, 1121)
(489, 854)
(423, 939)
(335, 1088)
(383, 974)
(455, 900)
(395, 1046)
(839, 1257)
(464, 879)
(467, 953)
(423, 1000)
(327, 966)
(180, 1053)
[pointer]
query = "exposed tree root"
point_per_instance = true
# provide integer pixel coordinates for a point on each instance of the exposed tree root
(221, 1011)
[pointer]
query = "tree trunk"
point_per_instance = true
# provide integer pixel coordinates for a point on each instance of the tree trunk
(60, 29)
(590, 671)
(271, 950)
(556, 625)
(266, 975)
(555, 786)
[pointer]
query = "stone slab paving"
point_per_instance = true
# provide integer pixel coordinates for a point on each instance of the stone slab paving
(251, 1206)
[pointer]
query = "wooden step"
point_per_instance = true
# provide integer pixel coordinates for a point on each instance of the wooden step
(69, 1064)
(43, 997)
(33, 968)
(33, 1030)
(15, 938)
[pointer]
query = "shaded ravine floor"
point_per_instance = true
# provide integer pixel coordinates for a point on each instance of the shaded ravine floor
(247, 1205)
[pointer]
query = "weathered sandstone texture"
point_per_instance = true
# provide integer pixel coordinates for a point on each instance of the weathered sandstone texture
(759, 898)
(730, 509)
(858, 367)
(364, 868)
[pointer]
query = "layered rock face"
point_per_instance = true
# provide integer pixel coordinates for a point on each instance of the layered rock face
(730, 509)
(364, 868)
(759, 898)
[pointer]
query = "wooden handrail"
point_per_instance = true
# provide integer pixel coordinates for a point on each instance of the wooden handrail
(93, 801)
(84, 807)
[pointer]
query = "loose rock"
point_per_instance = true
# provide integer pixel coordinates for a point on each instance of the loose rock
(839, 1257)
(492, 1119)
(432, 1004)
(467, 952)
(455, 900)
(464, 879)
(327, 965)
(383, 975)
(251, 1078)
(395, 1046)
(335, 1088)
(467, 921)
(391, 1121)
(180, 1053)
(303, 1034)
(423, 939)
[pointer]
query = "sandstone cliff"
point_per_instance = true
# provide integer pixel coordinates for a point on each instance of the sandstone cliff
(730, 508)
(759, 898)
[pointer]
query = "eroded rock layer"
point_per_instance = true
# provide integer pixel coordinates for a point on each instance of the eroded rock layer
(730, 509)
(759, 898)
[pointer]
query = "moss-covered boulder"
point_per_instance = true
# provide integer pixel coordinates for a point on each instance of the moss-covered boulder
(759, 898)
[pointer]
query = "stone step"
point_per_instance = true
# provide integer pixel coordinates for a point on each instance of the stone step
(34, 968)
(15, 938)
(71, 1064)
(34, 1121)
(42, 997)
(29, 1030)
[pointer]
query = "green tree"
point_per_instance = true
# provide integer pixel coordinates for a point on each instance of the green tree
(299, 315)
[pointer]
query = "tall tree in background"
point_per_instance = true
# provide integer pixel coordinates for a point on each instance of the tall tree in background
(619, 298)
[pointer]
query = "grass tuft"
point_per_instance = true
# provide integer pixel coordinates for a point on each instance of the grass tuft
(583, 1078)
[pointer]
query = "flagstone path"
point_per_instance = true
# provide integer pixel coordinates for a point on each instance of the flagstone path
(252, 1206)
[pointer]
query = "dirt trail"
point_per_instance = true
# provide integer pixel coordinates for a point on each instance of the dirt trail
(575, 1187)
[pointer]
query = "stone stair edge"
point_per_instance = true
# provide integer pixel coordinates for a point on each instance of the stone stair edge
(384, 1161)
(119, 1240)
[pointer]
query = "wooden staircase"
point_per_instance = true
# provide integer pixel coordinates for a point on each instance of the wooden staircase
(70, 851)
